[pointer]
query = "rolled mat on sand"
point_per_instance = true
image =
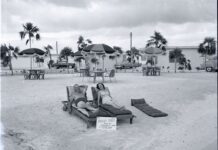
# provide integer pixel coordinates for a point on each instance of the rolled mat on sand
(147, 109)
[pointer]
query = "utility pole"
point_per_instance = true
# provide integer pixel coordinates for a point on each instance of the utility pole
(131, 46)
(57, 47)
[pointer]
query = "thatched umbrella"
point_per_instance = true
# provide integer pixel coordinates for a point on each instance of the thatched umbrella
(32, 52)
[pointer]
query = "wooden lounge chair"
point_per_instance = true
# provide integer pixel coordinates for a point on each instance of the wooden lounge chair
(88, 116)
(111, 75)
(115, 112)
(141, 105)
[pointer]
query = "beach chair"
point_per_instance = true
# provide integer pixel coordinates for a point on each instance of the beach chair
(88, 116)
(111, 75)
(120, 114)
(141, 105)
(26, 74)
(41, 74)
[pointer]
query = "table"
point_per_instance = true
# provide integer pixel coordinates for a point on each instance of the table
(98, 73)
(34, 74)
(151, 70)
(83, 71)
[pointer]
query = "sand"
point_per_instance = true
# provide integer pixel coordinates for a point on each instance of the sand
(32, 116)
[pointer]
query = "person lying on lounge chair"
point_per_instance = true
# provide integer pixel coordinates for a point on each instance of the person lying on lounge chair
(105, 97)
(79, 99)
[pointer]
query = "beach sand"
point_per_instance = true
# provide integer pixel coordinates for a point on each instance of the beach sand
(32, 116)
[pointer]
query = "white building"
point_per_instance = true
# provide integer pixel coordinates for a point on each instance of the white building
(190, 52)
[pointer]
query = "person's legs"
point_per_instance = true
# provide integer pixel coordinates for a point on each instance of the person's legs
(84, 105)
(111, 102)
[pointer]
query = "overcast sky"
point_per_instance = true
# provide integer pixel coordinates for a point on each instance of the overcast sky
(181, 22)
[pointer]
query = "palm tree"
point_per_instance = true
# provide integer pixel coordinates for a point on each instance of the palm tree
(176, 54)
(31, 31)
(89, 41)
(65, 53)
(48, 49)
(207, 47)
(79, 60)
(80, 43)
(7, 53)
(118, 51)
(95, 61)
(158, 41)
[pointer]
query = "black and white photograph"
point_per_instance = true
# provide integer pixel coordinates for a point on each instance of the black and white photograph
(108, 75)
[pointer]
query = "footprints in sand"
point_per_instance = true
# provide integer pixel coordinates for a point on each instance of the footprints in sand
(19, 139)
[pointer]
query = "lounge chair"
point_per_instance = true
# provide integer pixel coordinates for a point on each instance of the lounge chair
(141, 105)
(111, 74)
(88, 116)
(115, 112)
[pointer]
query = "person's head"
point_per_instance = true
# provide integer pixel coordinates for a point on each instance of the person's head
(100, 86)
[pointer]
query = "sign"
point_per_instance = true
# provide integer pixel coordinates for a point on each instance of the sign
(106, 123)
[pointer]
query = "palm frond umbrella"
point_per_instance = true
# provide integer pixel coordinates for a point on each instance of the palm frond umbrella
(99, 49)
(32, 52)
(152, 51)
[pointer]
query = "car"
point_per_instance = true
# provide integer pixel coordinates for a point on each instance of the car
(211, 64)
(127, 65)
(63, 64)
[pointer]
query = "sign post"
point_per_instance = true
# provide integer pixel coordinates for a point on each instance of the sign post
(106, 123)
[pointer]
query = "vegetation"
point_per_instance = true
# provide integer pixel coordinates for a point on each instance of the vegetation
(158, 41)
(95, 61)
(207, 47)
(48, 49)
(118, 51)
(7, 53)
(134, 53)
(79, 60)
(31, 31)
(83, 43)
(177, 56)
(65, 53)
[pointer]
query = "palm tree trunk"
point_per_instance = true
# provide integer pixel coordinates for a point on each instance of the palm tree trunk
(175, 64)
(11, 68)
(67, 64)
(205, 58)
(30, 40)
(103, 62)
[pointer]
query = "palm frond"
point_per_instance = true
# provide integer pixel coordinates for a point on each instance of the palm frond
(49, 47)
(38, 36)
(27, 41)
(31, 34)
(11, 47)
(14, 55)
(22, 34)
(16, 49)
(29, 26)
(35, 29)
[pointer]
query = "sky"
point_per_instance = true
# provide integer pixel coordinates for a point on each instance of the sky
(181, 22)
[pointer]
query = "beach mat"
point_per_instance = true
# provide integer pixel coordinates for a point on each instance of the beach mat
(147, 109)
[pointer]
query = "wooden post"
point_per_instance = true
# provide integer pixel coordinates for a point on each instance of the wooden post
(56, 47)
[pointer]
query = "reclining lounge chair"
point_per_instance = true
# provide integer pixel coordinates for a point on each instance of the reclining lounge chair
(114, 112)
(88, 116)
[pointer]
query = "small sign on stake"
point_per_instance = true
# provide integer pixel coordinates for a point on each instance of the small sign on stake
(106, 123)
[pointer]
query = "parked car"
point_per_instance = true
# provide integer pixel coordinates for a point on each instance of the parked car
(63, 64)
(211, 64)
(127, 65)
